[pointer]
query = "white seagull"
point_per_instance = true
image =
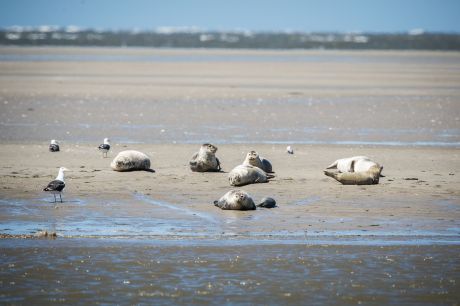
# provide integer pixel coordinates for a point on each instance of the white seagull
(56, 186)
(54, 146)
(105, 147)
(289, 150)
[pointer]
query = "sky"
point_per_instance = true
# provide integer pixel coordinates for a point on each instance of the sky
(254, 15)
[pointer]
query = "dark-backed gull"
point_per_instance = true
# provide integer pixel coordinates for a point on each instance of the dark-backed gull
(54, 146)
(105, 147)
(56, 186)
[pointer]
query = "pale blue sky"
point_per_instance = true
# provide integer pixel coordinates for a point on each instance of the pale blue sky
(259, 15)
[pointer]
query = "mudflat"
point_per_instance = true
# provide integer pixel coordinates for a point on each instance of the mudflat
(156, 236)
(400, 108)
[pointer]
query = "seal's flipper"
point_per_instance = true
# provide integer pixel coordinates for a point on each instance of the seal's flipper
(352, 166)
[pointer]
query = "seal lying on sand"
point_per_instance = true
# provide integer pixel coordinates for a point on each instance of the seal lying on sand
(236, 200)
(253, 159)
(368, 177)
(344, 164)
(205, 160)
(130, 160)
(247, 174)
(353, 164)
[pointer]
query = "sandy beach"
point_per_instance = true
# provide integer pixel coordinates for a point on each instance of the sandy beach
(399, 108)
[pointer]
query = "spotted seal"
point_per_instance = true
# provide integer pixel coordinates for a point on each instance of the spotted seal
(247, 174)
(253, 159)
(236, 200)
(205, 159)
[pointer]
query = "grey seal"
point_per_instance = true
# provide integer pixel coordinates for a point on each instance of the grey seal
(253, 159)
(236, 200)
(205, 159)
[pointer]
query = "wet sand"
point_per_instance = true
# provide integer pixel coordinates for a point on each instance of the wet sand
(140, 237)
(221, 96)
(416, 197)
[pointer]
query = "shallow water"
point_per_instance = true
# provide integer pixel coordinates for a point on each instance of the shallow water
(385, 121)
(162, 55)
(146, 217)
(158, 272)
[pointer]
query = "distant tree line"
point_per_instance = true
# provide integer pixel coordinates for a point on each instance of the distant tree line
(261, 40)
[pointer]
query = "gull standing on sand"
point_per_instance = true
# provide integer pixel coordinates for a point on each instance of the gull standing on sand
(54, 146)
(289, 150)
(56, 186)
(105, 147)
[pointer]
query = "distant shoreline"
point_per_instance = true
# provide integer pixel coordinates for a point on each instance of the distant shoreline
(231, 39)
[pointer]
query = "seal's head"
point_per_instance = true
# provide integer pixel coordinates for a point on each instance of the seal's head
(252, 155)
(234, 179)
(375, 173)
(240, 197)
(243, 200)
(207, 147)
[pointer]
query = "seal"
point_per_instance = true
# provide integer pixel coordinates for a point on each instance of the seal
(344, 164)
(253, 159)
(368, 177)
(205, 159)
(130, 160)
(247, 174)
(362, 165)
(236, 200)
(267, 203)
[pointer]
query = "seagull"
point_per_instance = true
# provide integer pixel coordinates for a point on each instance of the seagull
(105, 147)
(289, 150)
(56, 186)
(54, 146)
